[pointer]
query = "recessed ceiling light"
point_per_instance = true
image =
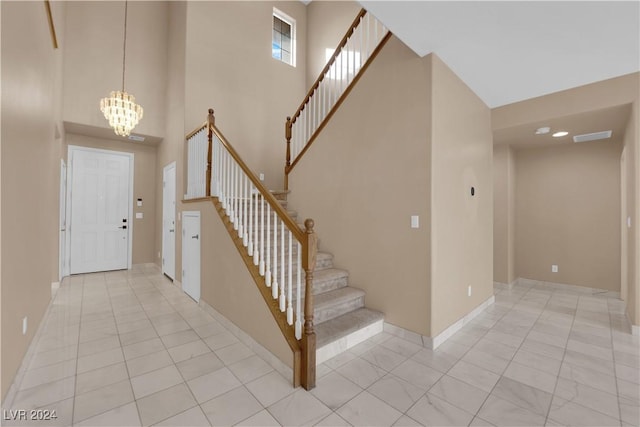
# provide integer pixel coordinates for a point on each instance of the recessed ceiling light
(560, 134)
(543, 130)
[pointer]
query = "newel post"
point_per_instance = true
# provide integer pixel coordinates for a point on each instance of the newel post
(211, 121)
(309, 252)
(287, 167)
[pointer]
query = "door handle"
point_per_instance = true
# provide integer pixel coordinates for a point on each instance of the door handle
(124, 227)
(195, 237)
(171, 230)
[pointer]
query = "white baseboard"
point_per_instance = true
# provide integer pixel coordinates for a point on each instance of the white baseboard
(54, 288)
(247, 340)
(524, 282)
(435, 342)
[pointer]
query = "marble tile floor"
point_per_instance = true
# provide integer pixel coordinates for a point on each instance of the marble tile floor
(129, 348)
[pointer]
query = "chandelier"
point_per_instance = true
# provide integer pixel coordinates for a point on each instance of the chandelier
(120, 108)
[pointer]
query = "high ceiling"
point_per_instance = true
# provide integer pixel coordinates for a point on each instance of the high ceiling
(509, 51)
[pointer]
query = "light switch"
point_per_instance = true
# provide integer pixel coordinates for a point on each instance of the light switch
(628, 222)
(554, 268)
(415, 221)
(139, 203)
(138, 215)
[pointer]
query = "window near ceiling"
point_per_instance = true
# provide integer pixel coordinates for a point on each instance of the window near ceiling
(283, 38)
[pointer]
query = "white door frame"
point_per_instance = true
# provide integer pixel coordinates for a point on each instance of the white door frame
(72, 149)
(62, 247)
(185, 215)
(164, 170)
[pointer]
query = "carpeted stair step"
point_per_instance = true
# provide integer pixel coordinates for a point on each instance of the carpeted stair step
(343, 332)
(332, 304)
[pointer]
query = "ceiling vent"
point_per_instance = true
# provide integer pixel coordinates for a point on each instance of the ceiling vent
(138, 138)
(592, 136)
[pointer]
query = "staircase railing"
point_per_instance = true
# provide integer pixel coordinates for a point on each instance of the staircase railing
(276, 250)
(357, 49)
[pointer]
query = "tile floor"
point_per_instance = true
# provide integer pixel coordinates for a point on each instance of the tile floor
(129, 348)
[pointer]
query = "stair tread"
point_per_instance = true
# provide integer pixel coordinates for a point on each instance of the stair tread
(329, 274)
(336, 296)
(336, 328)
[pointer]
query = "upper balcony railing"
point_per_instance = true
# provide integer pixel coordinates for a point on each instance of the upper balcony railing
(354, 53)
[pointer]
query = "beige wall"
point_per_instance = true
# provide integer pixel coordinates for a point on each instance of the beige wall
(93, 60)
(461, 225)
(172, 147)
(231, 70)
(144, 187)
(364, 177)
(503, 214)
(31, 82)
(631, 250)
(327, 22)
(568, 213)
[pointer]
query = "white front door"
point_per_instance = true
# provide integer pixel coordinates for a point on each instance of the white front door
(191, 254)
(169, 220)
(101, 196)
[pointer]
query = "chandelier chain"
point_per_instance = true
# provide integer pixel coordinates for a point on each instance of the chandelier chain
(124, 47)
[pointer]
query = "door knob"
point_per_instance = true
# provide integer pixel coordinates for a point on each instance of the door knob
(195, 237)
(124, 227)
(171, 230)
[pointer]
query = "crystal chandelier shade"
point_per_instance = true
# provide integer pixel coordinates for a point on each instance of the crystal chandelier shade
(120, 108)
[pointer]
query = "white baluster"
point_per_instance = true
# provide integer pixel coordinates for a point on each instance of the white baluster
(368, 31)
(245, 219)
(223, 171)
(360, 27)
(267, 273)
(282, 282)
(298, 328)
(240, 204)
(251, 214)
(274, 283)
(256, 243)
(262, 264)
(290, 283)
(235, 196)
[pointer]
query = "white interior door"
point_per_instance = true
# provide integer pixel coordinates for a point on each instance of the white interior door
(169, 220)
(191, 254)
(101, 196)
(62, 253)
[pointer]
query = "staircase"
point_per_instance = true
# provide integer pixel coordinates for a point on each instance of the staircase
(340, 316)
(318, 313)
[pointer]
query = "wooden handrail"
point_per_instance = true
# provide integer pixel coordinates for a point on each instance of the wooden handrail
(333, 58)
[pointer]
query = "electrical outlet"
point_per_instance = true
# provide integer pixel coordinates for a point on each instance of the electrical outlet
(24, 325)
(554, 268)
(261, 177)
(415, 221)
(469, 291)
